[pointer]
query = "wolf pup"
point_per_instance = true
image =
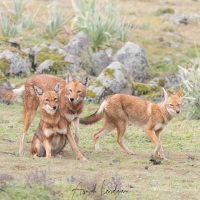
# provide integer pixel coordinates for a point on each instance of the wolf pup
(71, 97)
(117, 110)
(50, 137)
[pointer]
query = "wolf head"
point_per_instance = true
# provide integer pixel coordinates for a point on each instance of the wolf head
(173, 102)
(75, 90)
(49, 100)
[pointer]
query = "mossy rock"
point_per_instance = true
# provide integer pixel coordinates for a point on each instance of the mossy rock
(98, 83)
(4, 64)
(144, 89)
(91, 94)
(153, 95)
(4, 47)
(2, 77)
(46, 54)
(109, 72)
(162, 82)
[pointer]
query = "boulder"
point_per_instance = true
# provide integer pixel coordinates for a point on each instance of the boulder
(13, 61)
(45, 66)
(78, 43)
(135, 61)
(113, 79)
(101, 60)
(72, 63)
(48, 58)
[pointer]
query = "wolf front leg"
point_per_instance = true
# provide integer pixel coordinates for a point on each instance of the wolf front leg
(76, 127)
(47, 147)
(161, 152)
(151, 134)
(74, 146)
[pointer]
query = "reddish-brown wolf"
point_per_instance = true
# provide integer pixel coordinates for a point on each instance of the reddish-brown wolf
(72, 94)
(117, 110)
(53, 129)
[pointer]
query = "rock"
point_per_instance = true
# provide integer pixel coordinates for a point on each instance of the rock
(101, 60)
(78, 43)
(47, 57)
(113, 79)
(13, 61)
(73, 63)
(135, 61)
(45, 66)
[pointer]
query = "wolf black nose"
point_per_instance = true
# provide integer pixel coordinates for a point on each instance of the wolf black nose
(177, 112)
(71, 99)
(54, 107)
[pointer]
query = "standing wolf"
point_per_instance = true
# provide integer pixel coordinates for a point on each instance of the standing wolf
(72, 94)
(118, 109)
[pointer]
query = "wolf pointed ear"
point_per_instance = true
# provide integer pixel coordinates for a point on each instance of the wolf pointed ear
(69, 77)
(180, 93)
(166, 94)
(57, 87)
(38, 91)
(85, 81)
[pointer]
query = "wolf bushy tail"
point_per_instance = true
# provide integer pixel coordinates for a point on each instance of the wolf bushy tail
(95, 116)
(10, 95)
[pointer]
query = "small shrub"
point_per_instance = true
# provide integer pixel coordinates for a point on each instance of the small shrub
(7, 27)
(18, 8)
(100, 22)
(55, 22)
(29, 22)
(191, 86)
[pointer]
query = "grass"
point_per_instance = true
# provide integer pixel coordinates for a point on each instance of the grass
(57, 177)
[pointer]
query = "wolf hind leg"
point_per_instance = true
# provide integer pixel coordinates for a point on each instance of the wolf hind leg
(121, 128)
(97, 136)
(37, 148)
(30, 108)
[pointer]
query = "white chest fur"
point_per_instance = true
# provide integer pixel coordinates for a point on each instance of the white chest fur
(71, 117)
(159, 126)
(50, 132)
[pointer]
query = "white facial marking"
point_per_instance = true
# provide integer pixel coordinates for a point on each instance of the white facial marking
(48, 109)
(171, 111)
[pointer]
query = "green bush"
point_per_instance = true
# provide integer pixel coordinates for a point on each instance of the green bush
(100, 22)
(55, 22)
(191, 85)
(7, 27)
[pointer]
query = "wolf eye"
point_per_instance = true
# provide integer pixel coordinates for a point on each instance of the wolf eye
(171, 105)
(55, 99)
(70, 90)
(46, 99)
(78, 91)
